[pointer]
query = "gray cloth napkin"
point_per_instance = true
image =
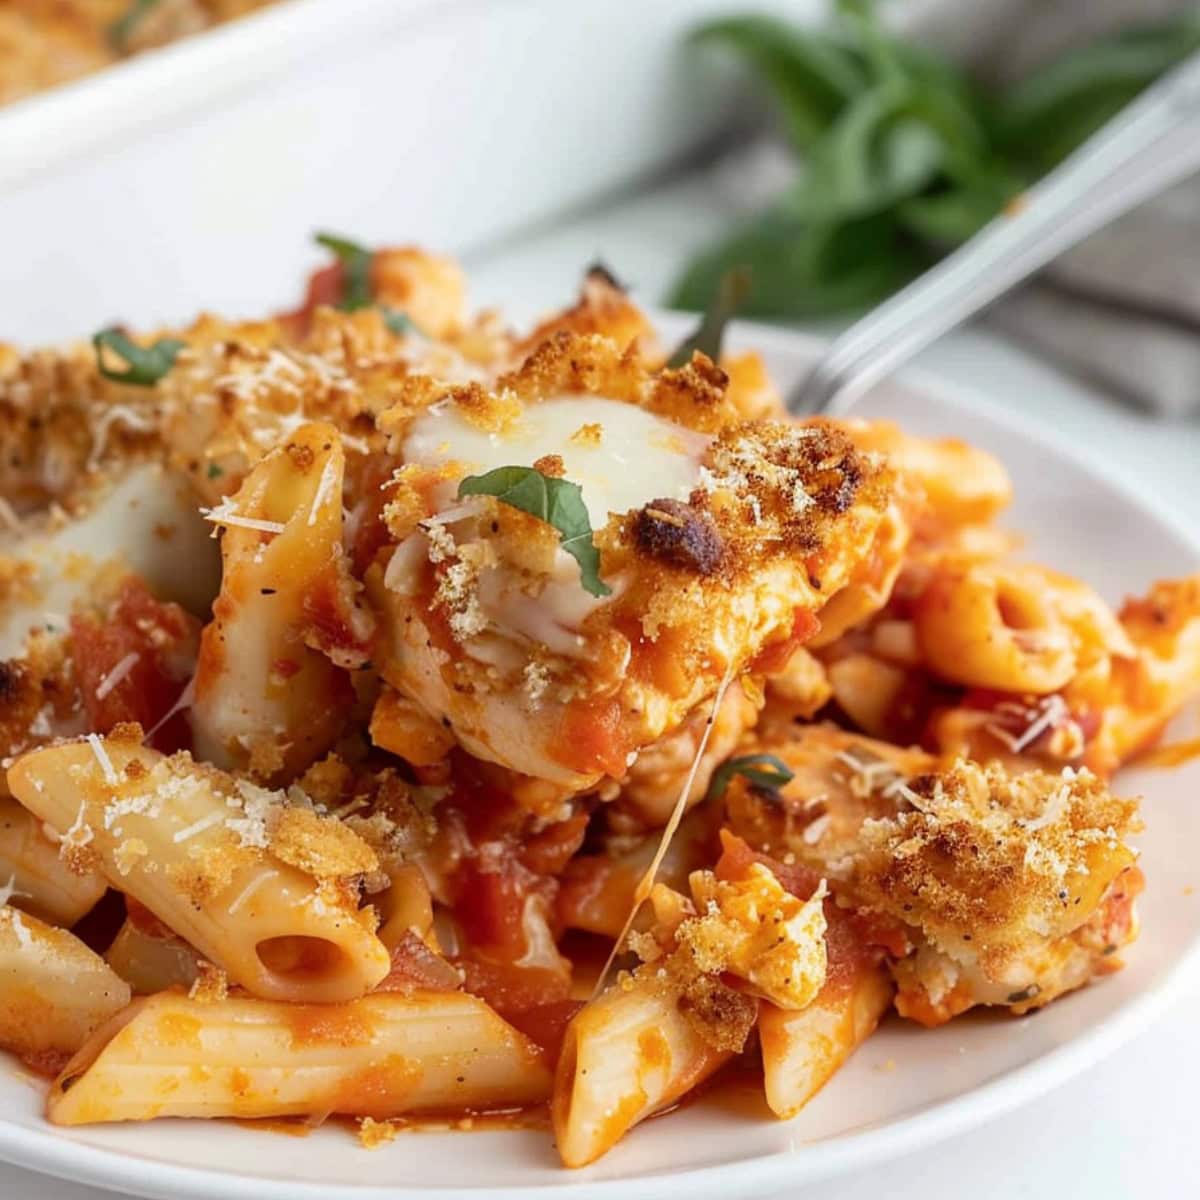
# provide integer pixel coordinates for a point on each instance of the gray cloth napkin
(1123, 308)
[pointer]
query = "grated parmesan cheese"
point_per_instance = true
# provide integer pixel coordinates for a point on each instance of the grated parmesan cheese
(102, 758)
(197, 827)
(119, 672)
(324, 489)
(226, 514)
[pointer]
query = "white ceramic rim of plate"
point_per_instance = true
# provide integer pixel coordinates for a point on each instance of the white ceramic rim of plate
(53, 1155)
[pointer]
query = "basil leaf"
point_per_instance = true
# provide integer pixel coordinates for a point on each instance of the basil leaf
(1045, 116)
(801, 269)
(146, 364)
(558, 502)
(948, 218)
(875, 154)
(356, 263)
(400, 323)
(723, 302)
(812, 76)
(123, 28)
(761, 770)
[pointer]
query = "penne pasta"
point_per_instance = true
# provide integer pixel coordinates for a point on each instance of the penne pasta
(627, 1054)
(42, 883)
(802, 1050)
(380, 1057)
(271, 694)
(53, 990)
(261, 889)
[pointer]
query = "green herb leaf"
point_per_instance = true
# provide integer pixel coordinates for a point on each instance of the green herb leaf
(727, 298)
(558, 502)
(761, 770)
(875, 154)
(356, 263)
(400, 323)
(800, 269)
(948, 218)
(215, 471)
(812, 76)
(123, 28)
(146, 365)
(1045, 116)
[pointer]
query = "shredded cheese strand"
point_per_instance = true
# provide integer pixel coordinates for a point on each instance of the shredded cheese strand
(186, 699)
(646, 883)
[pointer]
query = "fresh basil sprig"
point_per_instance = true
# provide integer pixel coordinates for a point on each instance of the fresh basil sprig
(357, 292)
(356, 263)
(123, 28)
(145, 365)
(558, 502)
(710, 334)
(761, 770)
(904, 155)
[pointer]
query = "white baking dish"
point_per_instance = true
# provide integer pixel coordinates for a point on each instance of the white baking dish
(192, 177)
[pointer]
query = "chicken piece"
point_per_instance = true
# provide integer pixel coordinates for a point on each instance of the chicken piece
(717, 540)
(651, 789)
(1011, 888)
(755, 929)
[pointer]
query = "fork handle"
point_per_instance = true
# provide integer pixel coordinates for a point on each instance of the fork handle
(1150, 145)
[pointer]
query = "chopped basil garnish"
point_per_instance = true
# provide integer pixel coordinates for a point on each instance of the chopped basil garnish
(356, 267)
(146, 365)
(558, 502)
(762, 771)
(124, 27)
(731, 291)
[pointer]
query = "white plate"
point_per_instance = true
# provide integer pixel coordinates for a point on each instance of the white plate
(907, 1087)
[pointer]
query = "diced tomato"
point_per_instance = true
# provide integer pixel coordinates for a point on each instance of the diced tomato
(545, 1024)
(511, 989)
(590, 738)
(773, 657)
(490, 905)
(156, 643)
(325, 286)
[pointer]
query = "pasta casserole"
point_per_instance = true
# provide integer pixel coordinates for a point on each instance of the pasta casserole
(44, 43)
(407, 716)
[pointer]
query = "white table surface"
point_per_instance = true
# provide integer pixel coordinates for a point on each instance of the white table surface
(1127, 1127)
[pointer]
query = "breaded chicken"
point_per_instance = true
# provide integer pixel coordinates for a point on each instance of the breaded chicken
(1011, 888)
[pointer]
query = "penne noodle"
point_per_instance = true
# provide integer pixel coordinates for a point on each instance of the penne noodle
(42, 883)
(406, 907)
(225, 866)
(271, 694)
(380, 1057)
(802, 1050)
(54, 991)
(627, 1054)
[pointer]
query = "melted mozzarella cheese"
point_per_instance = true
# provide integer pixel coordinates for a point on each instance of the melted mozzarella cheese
(635, 458)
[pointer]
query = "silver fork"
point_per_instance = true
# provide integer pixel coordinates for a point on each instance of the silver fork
(1150, 145)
